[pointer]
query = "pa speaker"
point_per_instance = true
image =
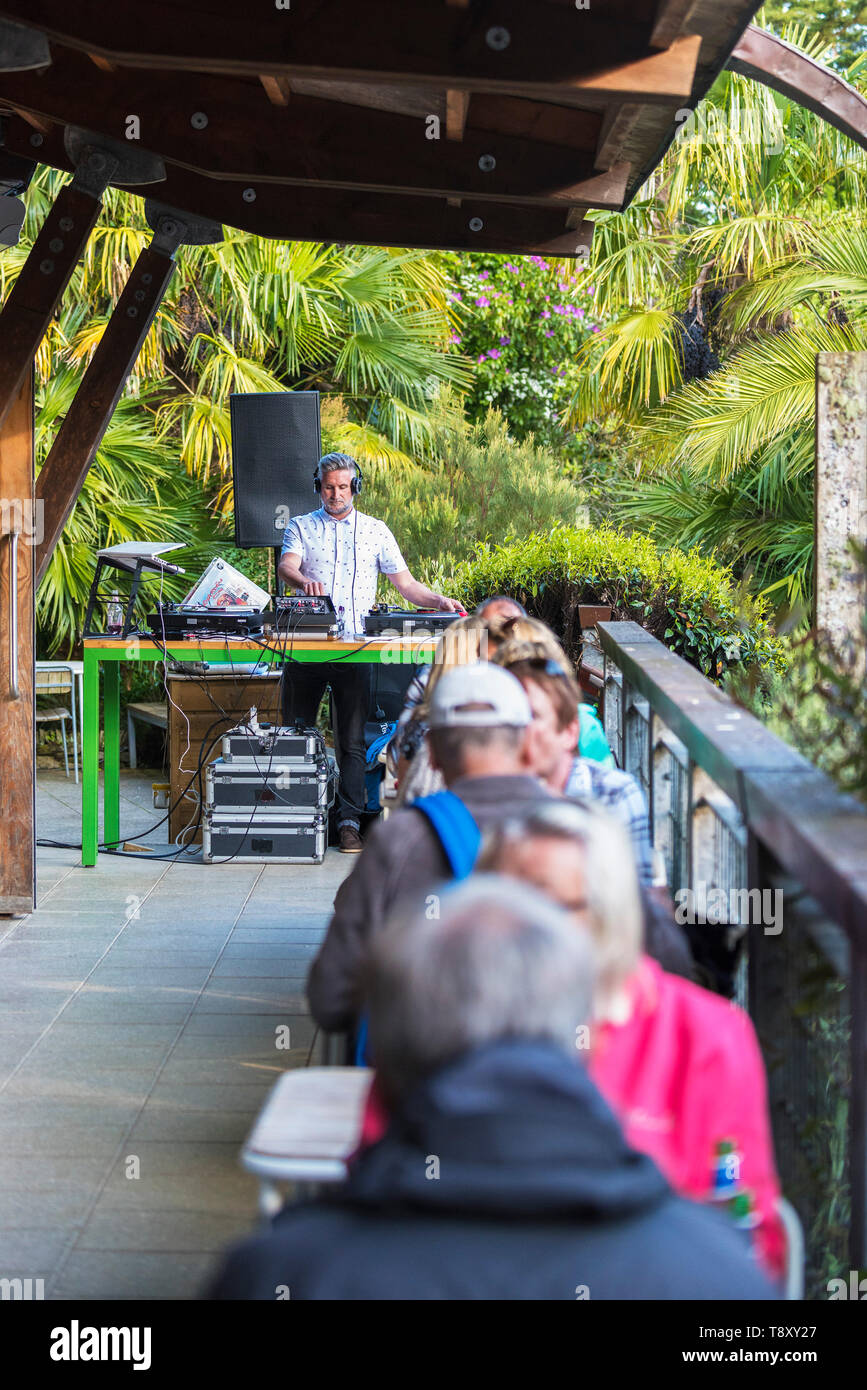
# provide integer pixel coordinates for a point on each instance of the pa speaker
(275, 449)
(388, 687)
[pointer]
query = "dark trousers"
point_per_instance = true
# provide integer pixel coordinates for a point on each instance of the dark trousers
(302, 688)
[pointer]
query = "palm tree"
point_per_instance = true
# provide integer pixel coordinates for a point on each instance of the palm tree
(134, 490)
(745, 255)
(371, 325)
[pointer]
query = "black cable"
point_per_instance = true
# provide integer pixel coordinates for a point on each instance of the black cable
(355, 571)
(105, 846)
(203, 685)
(110, 847)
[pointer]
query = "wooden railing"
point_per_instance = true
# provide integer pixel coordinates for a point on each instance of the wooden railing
(747, 826)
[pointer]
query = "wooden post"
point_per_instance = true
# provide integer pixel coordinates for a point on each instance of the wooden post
(40, 285)
(841, 496)
(65, 469)
(19, 531)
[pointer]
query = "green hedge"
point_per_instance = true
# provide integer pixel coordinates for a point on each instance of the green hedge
(688, 601)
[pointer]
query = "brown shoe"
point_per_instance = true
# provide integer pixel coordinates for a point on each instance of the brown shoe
(349, 840)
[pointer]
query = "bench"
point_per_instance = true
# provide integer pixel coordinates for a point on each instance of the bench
(146, 712)
(306, 1130)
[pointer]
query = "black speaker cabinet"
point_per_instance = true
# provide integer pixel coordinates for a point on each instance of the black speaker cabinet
(388, 687)
(276, 446)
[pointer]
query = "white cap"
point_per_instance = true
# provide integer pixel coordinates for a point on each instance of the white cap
(478, 696)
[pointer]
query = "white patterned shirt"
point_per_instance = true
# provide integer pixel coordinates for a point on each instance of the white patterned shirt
(621, 796)
(346, 557)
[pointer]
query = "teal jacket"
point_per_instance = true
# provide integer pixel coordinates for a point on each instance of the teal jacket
(592, 742)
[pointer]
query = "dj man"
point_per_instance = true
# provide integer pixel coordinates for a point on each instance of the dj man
(339, 551)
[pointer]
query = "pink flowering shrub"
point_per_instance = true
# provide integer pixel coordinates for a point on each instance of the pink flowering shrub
(521, 322)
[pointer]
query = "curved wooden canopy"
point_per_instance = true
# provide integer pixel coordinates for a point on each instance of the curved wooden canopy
(777, 64)
(464, 124)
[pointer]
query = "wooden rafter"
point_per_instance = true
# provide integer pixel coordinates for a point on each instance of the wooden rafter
(319, 142)
(328, 214)
(457, 105)
(276, 87)
(40, 123)
(542, 46)
(62, 475)
(40, 284)
(618, 123)
(671, 17)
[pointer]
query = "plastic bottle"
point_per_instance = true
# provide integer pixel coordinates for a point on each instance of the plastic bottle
(726, 1177)
(743, 1212)
(114, 616)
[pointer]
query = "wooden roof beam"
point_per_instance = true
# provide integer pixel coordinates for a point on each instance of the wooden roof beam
(523, 48)
(536, 120)
(40, 123)
(42, 280)
(617, 124)
(365, 218)
(671, 17)
(658, 80)
(313, 141)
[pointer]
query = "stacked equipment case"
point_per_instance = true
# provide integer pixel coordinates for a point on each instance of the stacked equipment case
(268, 796)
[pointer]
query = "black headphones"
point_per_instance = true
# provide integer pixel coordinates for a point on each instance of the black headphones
(336, 461)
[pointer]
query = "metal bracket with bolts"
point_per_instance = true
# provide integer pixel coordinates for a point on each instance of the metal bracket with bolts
(22, 49)
(173, 228)
(100, 161)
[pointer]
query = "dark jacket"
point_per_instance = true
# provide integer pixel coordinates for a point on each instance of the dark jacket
(402, 860)
(538, 1196)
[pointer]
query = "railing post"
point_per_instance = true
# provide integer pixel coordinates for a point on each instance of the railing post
(613, 709)
(637, 740)
(668, 805)
(858, 1106)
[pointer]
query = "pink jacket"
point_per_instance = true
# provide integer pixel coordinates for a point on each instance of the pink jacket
(682, 1074)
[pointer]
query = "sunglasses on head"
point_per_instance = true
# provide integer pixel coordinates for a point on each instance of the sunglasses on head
(547, 664)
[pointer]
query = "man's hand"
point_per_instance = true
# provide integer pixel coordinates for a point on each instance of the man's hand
(421, 595)
(289, 570)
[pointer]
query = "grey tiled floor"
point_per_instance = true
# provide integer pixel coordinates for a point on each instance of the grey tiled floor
(138, 1013)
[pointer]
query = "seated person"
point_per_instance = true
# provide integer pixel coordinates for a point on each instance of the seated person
(680, 1066)
(499, 607)
(474, 638)
(479, 737)
(503, 1174)
(407, 753)
(464, 641)
(592, 742)
(554, 697)
(490, 613)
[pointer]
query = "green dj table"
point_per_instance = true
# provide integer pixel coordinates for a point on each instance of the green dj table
(109, 653)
